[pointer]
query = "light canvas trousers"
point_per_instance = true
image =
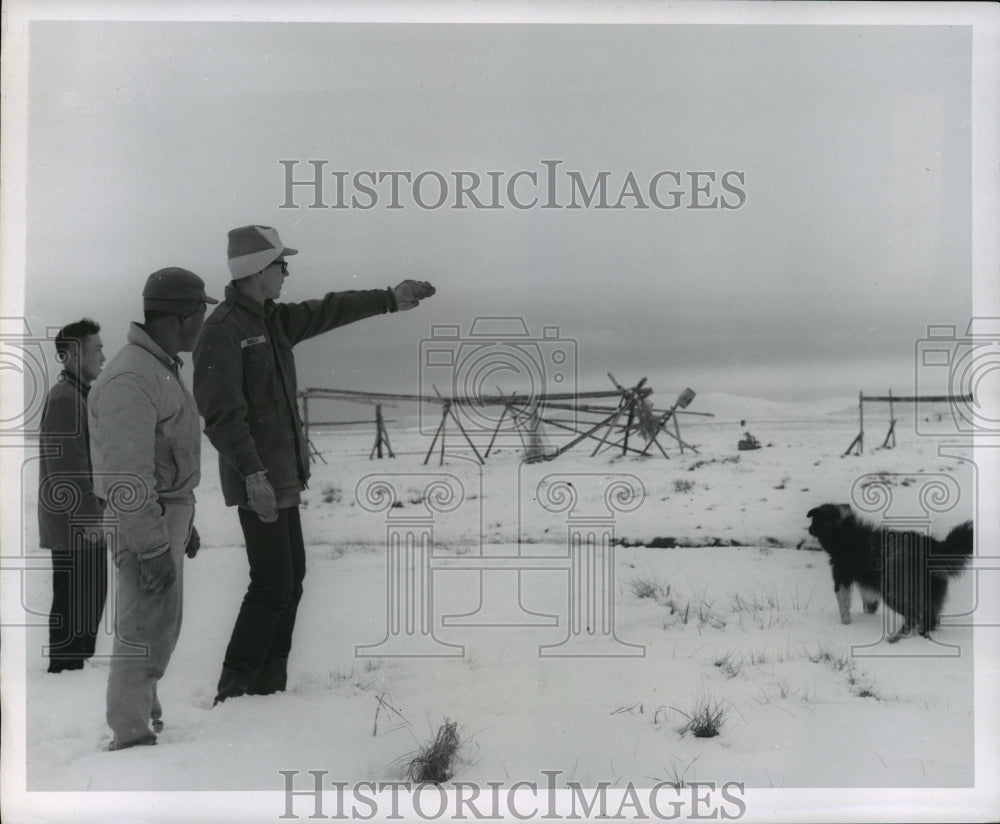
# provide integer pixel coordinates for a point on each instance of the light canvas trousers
(146, 629)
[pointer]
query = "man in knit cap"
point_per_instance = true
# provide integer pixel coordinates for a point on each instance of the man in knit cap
(146, 446)
(246, 388)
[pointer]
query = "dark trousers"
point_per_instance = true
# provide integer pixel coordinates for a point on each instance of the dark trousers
(262, 637)
(79, 589)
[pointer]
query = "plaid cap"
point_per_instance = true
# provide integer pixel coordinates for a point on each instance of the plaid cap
(253, 248)
(175, 291)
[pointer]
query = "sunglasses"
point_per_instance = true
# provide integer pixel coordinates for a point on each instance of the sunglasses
(283, 264)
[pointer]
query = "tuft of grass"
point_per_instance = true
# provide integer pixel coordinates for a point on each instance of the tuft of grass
(640, 708)
(752, 603)
(857, 678)
(651, 587)
(682, 486)
(385, 709)
(677, 778)
(782, 687)
(705, 719)
(706, 615)
(331, 494)
(867, 692)
(729, 664)
(435, 762)
(836, 662)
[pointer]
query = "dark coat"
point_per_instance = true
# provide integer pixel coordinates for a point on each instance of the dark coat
(246, 387)
(65, 481)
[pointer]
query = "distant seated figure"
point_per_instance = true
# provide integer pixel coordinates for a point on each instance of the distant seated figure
(748, 442)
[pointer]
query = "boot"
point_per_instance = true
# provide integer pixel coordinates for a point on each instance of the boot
(273, 677)
(233, 683)
(144, 741)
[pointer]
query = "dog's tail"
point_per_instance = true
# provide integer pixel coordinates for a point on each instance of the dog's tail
(955, 550)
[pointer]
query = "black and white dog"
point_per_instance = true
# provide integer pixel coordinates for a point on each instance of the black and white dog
(910, 571)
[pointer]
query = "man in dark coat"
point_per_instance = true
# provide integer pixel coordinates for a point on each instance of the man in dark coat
(245, 385)
(69, 513)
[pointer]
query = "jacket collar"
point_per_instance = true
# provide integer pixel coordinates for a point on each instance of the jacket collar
(234, 295)
(73, 380)
(140, 337)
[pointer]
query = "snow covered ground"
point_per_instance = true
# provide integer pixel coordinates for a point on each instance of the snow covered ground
(731, 608)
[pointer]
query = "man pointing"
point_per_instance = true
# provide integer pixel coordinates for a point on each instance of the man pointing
(246, 389)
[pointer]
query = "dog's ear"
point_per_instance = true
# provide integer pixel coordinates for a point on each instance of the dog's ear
(829, 513)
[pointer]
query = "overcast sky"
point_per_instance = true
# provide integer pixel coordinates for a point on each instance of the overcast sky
(850, 148)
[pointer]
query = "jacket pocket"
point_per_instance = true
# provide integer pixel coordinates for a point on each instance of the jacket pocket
(266, 426)
(259, 375)
(166, 469)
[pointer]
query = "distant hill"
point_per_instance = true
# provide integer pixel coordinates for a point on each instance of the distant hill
(735, 407)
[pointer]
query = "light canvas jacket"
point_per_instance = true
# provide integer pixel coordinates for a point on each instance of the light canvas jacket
(145, 439)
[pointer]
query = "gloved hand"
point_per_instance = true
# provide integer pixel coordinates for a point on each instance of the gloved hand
(410, 292)
(260, 496)
(193, 544)
(157, 574)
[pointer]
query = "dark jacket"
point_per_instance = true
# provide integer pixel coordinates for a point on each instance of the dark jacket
(246, 388)
(65, 480)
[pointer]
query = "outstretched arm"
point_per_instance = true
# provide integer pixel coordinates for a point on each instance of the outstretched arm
(313, 317)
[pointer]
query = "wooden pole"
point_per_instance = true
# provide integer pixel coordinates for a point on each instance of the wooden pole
(859, 440)
(444, 418)
(385, 437)
(440, 431)
(461, 429)
(589, 433)
(891, 434)
(607, 432)
(628, 425)
(861, 415)
(495, 431)
(381, 435)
